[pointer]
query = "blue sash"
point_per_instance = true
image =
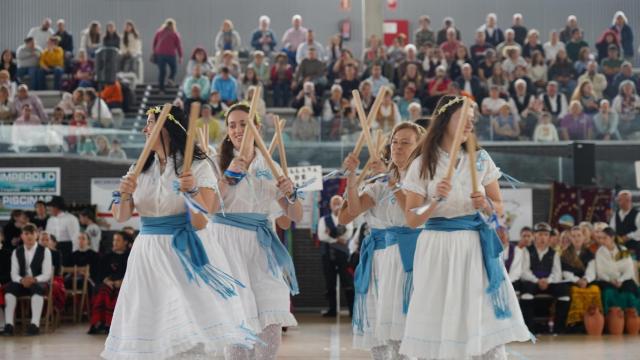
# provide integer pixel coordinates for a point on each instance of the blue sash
(190, 251)
(277, 255)
(491, 250)
(406, 238)
(362, 278)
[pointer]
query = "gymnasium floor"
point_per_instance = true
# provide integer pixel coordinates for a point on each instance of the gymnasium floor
(317, 338)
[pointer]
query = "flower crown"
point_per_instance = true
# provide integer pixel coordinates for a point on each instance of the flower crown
(444, 107)
(157, 110)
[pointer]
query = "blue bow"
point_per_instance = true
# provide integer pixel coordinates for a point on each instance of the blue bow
(191, 252)
(277, 254)
(362, 277)
(264, 173)
(406, 239)
(491, 250)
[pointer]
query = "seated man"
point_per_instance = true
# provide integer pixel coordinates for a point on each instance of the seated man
(31, 271)
(113, 266)
(512, 257)
(542, 274)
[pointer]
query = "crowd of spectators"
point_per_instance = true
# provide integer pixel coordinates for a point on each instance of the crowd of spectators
(63, 239)
(566, 88)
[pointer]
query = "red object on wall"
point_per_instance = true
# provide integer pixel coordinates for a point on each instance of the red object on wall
(392, 28)
(392, 4)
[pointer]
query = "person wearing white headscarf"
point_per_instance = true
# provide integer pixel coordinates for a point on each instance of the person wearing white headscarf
(620, 24)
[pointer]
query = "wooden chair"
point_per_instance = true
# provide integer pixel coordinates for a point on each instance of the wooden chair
(78, 274)
(24, 303)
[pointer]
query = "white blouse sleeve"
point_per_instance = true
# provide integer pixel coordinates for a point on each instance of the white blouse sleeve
(203, 173)
(374, 191)
(491, 171)
(413, 181)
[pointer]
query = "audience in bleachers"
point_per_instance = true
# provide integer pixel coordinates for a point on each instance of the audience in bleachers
(419, 69)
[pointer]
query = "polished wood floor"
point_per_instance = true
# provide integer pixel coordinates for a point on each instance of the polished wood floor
(317, 338)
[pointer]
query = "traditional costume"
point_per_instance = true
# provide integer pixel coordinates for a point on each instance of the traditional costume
(463, 304)
(257, 257)
(176, 295)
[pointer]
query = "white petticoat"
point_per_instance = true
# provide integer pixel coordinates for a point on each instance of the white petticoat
(369, 338)
(451, 315)
(390, 320)
(160, 314)
(266, 299)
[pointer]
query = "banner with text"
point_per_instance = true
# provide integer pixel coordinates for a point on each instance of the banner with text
(20, 188)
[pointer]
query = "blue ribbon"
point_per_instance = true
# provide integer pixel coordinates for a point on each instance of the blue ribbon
(491, 250)
(236, 177)
(362, 277)
(276, 252)
(264, 174)
(191, 252)
(406, 238)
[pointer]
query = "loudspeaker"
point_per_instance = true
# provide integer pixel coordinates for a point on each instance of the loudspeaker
(584, 163)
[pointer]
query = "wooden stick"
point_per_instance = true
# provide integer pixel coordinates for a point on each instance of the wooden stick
(379, 146)
(206, 135)
(371, 116)
(160, 119)
(364, 124)
(281, 150)
(263, 149)
(203, 143)
(380, 141)
(455, 145)
(274, 142)
(275, 139)
(471, 146)
(194, 113)
(247, 138)
(364, 171)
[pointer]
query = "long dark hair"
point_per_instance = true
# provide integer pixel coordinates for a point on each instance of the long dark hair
(226, 146)
(125, 33)
(435, 134)
(177, 141)
(94, 33)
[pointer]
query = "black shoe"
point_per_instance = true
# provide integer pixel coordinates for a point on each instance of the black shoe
(8, 330)
(105, 330)
(329, 313)
(33, 330)
(95, 329)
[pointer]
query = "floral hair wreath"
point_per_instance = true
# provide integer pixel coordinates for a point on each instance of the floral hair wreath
(444, 107)
(157, 110)
(237, 105)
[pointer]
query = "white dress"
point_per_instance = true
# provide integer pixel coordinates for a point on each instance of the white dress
(451, 316)
(266, 298)
(160, 313)
(380, 216)
(390, 317)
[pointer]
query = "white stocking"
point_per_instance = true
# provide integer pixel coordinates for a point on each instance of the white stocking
(238, 352)
(272, 337)
(379, 352)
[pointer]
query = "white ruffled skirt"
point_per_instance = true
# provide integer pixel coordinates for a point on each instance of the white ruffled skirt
(266, 298)
(450, 315)
(390, 319)
(369, 337)
(160, 314)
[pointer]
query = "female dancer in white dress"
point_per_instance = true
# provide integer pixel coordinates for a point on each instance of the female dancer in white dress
(382, 279)
(251, 196)
(177, 299)
(463, 305)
